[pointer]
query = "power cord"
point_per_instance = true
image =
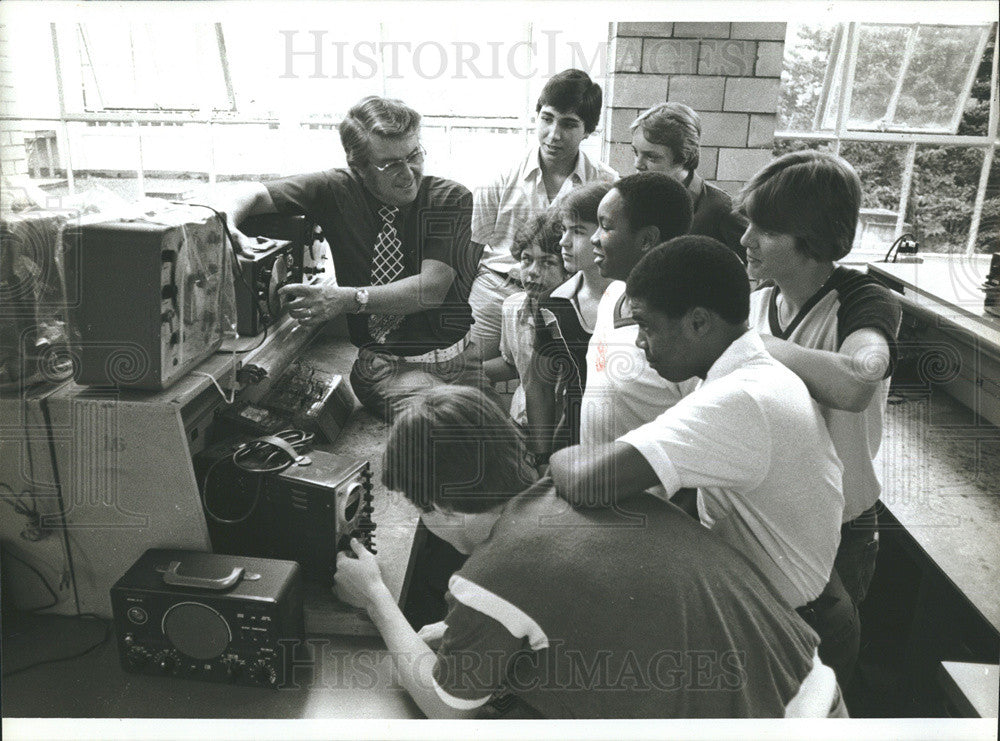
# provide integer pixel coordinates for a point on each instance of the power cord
(907, 243)
(259, 456)
(79, 654)
(41, 577)
(235, 248)
(55, 601)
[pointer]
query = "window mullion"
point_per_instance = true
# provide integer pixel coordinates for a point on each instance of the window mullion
(847, 81)
(906, 185)
(220, 40)
(70, 180)
(911, 47)
(992, 131)
(140, 170)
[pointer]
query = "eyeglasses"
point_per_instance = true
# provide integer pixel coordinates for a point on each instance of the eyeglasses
(395, 167)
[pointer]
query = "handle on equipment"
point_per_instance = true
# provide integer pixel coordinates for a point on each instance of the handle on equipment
(170, 576)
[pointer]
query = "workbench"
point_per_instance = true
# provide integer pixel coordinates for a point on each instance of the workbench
(123, 463)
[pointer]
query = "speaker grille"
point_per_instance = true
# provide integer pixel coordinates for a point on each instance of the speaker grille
(196, 630)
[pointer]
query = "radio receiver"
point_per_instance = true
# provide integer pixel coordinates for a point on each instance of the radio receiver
(206, 616)
(288, 250)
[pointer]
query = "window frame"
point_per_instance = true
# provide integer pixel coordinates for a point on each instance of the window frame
(844, 70)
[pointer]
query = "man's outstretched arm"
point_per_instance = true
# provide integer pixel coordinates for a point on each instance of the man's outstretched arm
(597, 476)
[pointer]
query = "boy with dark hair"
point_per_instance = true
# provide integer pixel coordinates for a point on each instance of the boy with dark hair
(551, 605)
(561, 345)
(749, 437)
(622, 391)
(666, 138)
(567, 112)
(835, 327)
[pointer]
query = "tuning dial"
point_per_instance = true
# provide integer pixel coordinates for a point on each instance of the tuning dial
(137, 656)
(167, 661)
(262, 672)
(235, 669)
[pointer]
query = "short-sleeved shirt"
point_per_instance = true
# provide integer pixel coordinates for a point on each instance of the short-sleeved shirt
(753, 442)
(623, 391)
(436, 226)
(714, 216)
(583, 614)
(847, 302)
(510, 201)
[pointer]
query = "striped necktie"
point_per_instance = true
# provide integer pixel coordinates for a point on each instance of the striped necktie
(387, 265)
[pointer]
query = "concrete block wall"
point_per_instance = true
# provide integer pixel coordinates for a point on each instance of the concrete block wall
(13, 156)
(728, 72)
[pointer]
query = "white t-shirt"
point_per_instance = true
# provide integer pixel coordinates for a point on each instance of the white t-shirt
(769, 481)
(623, 391)
(847, 302)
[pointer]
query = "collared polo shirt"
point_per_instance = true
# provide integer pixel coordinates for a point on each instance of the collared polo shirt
(503, 206)
(622, 391)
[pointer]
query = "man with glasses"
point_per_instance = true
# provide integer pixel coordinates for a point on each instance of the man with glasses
(401, 249)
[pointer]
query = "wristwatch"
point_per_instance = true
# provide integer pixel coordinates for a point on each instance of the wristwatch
(361, 300)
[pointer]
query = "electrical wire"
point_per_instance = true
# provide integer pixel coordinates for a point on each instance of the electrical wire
(41, 577)
(79, 654)
(55, 601)
(227, 520)
(235, 248)
(894, 247)
(257, 456)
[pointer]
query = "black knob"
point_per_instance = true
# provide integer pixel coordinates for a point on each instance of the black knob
(167, 662)
(137, 657)
(236, 669)
(263, 673)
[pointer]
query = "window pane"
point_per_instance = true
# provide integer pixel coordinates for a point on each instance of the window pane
(879, 62)
(808, 55)
(945, 180)
(975, 118)
(166, 66)
(988, 239)
(880, 167)
(936, 82)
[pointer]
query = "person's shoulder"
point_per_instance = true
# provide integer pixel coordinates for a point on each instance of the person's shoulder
(597, 171)
(515, 537)
(512, 304)
(444, 192)
(717, 198)
(854, 284)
